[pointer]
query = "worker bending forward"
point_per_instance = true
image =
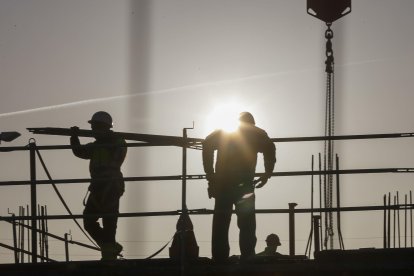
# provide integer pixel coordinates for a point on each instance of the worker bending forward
(107, 185)
(232, 182)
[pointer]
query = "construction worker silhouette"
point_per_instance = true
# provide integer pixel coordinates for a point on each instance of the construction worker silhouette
(107, 185)
(272, 242)
(232, 182)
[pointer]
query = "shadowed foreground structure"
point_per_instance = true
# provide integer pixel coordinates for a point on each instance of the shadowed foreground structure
(333, 262)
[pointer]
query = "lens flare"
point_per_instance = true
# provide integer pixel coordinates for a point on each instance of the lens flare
(225, 117)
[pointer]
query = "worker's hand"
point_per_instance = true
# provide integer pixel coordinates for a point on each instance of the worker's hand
(210, 177)
(74, 130)
(262, 181)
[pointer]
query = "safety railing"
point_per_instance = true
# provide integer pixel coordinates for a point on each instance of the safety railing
(33, 182)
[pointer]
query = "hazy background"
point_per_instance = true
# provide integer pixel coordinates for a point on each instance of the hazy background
(157, 66)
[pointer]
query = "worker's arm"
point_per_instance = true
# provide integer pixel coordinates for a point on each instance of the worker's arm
(269, 156)
(209, 146)
(81, 151)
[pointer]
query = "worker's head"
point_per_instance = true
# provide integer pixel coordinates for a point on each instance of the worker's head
(273, 240)
(101, 121)
(246, 118)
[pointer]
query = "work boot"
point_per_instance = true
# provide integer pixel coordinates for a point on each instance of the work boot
(110, 251)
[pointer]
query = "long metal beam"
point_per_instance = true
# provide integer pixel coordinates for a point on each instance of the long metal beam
(196, 143)
(209, 212)
(203, 176)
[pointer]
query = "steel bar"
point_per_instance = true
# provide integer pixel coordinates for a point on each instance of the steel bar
(411, 219)
(405, 222)
(316, 226)
(209, 212)
(394, 221)
(33, 199)
(23, 251)
(398, 222)
(292, 228)
(202, 176)
(389, 221)
(66, 247)
(16, 253)
(385, 223)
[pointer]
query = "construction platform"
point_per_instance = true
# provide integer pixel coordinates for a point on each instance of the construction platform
(331, 262)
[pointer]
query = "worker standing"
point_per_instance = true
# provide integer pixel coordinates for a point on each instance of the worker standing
(106, 155)
(231, 182)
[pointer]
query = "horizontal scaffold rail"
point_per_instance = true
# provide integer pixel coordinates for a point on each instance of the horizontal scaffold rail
(210, 212)
(203, 176)
(150, 140)
(158, 140)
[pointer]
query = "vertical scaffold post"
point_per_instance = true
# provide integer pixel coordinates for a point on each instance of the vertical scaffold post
(66, 247)
(385, 223)
(33, 199)
(184, 201)
(316, 225)
(16, 252)
(292, 228)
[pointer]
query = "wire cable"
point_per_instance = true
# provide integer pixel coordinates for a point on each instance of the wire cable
(61, 197)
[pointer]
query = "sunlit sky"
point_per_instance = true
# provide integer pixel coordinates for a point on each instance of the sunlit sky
(158, 66)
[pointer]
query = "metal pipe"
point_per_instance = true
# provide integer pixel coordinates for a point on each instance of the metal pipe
(203, 176)
(33, 199)
(385, 222)
(398, 221)
(66, 247)
(22, 237)
(16, 252)
(309, 243)
(46, 235)
(389, 222)
(405, 220)
(39, 221)
(320, 200)
(316, 226)
(411, 219)
(394, 218)
(42, 234)
(292, 228)
(338, 204)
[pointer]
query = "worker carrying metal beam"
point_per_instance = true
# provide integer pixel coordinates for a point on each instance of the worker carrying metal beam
(232, 182)
(106, 155)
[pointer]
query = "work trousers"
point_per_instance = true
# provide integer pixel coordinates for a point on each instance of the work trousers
(246, 221)
(102, 200)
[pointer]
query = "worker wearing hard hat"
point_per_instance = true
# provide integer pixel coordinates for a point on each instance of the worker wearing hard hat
(107, 185)
(272, 242)
(231, 182)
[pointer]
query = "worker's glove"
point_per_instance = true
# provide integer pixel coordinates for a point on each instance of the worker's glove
(261, 181)
(74, 130)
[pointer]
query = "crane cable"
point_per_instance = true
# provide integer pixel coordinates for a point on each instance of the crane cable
(329, 131)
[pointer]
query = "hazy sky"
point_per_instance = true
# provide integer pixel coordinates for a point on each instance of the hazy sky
(157, 66)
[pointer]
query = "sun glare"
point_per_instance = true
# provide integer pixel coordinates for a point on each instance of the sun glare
(224, 116)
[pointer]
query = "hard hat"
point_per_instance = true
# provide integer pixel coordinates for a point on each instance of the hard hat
(273, 239)
(101, 117)
(247, 117)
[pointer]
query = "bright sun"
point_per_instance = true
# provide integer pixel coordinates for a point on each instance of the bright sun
(224, 116)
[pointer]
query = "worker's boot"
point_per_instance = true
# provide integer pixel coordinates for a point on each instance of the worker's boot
(110, 251)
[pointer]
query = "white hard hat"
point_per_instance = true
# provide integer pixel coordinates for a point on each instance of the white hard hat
(101, 117)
